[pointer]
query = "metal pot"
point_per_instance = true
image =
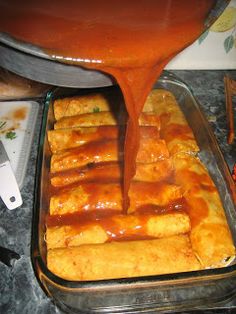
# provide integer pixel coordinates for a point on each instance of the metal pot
(33, 63)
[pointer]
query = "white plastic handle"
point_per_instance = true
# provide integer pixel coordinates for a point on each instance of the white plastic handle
(9, 190)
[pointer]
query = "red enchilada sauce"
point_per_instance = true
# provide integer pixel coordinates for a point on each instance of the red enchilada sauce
(131, 40)
(117, 226)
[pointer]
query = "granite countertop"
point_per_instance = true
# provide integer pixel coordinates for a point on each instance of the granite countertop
(20, 291)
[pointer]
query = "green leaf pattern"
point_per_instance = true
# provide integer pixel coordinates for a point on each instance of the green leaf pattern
(229, 43)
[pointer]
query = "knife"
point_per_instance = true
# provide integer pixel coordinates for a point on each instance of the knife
(9, 190)
(7, 256)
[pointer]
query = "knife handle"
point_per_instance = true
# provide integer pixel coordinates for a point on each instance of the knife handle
(9, 190)
(8, 256)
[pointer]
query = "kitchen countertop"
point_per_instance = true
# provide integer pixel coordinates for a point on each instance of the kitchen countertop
(20, 291)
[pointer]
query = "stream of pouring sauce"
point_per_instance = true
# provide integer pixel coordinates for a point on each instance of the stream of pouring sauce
(131, 40)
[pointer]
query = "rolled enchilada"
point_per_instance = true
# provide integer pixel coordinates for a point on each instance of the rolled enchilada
(74, 231)
(210, 235)
(174, 127)
(125, 259)
(68, 138)
(89, 103)
(150, 150)
(104, 118)
(112, 171)
(101, 196)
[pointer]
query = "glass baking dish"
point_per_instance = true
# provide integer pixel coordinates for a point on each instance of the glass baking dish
(165, 293)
